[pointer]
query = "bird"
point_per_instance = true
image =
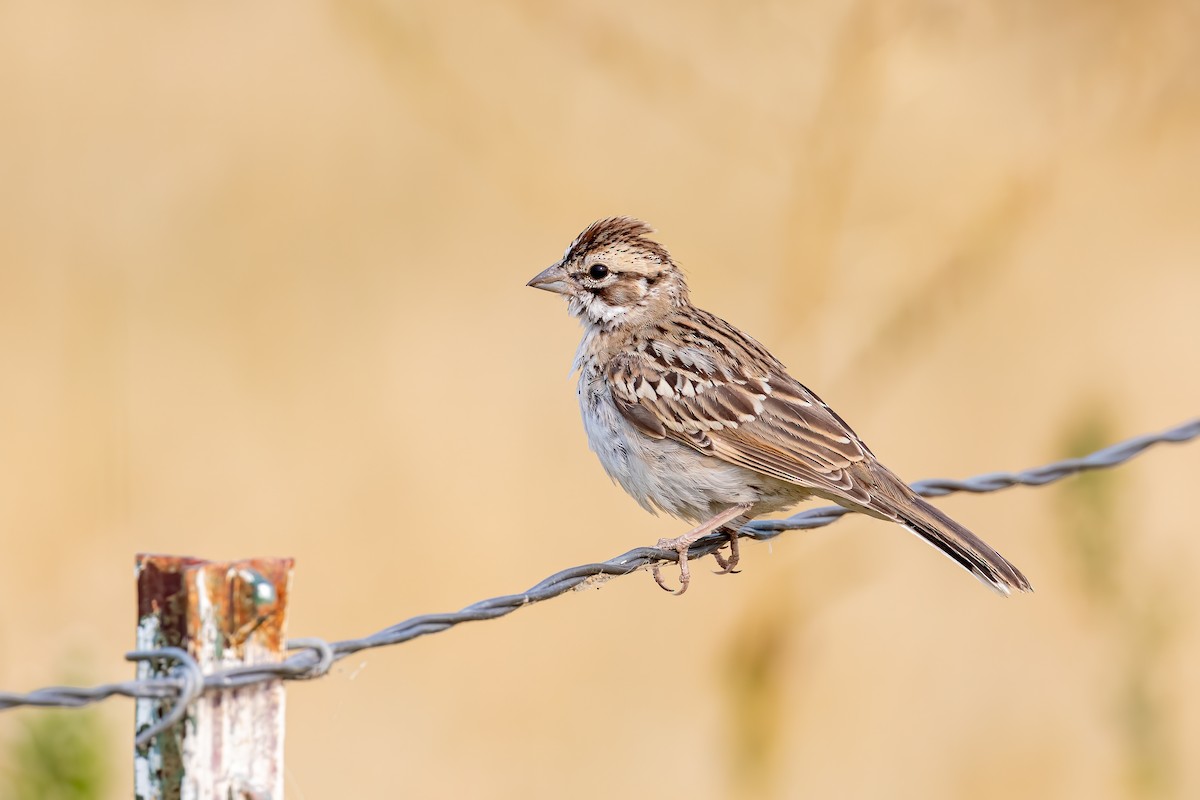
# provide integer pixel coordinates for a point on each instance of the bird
(694, 418)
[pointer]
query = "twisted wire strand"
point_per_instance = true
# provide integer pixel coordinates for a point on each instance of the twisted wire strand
(314, 656)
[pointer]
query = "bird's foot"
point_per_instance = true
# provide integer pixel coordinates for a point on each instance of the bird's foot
(681, 545)
(685, 572)
(728, 566)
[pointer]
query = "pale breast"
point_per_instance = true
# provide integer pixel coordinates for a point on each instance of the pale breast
(662, 474)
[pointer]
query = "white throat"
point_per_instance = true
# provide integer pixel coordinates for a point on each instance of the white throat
(591, 310)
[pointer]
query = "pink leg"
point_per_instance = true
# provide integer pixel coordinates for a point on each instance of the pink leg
(681, 544)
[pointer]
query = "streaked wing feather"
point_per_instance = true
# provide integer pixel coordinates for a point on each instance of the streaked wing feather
(767, 422)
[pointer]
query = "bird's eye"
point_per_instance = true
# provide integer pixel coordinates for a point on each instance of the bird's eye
(598, 272)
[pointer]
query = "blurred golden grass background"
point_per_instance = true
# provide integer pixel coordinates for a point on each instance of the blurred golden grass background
(262, 293)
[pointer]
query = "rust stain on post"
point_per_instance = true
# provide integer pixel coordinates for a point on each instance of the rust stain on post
(224, 614)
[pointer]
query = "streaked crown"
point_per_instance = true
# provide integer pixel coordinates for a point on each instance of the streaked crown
(620, 236)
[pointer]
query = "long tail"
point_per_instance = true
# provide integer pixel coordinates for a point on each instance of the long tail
(963, 547)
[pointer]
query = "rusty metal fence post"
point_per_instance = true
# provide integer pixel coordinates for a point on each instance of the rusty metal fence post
(228, 743)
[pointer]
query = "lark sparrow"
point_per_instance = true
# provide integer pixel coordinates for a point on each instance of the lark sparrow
(693, 417)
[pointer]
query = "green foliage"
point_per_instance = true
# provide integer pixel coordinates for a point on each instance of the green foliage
(1088, 509)
(755, 675)
(1137, 613)
(58, 755)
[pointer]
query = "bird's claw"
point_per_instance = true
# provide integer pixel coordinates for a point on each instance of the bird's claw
(681, 545)
(685, 573)
(728, 566)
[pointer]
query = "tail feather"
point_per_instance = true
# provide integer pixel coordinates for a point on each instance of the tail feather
(965, 548)
(897, 501)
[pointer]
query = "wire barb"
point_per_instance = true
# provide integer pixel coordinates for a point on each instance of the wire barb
(315, 656)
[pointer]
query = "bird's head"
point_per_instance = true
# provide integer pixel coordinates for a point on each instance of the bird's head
(614, 276)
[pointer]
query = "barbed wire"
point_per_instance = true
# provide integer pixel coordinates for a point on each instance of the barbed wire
(314, 656)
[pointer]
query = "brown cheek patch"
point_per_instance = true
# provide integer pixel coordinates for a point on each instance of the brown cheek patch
(621, 293)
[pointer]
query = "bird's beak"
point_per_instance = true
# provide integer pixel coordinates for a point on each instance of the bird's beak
(552, 279)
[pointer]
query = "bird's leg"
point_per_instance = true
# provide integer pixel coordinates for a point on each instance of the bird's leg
(681, 544)
(728, 566)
